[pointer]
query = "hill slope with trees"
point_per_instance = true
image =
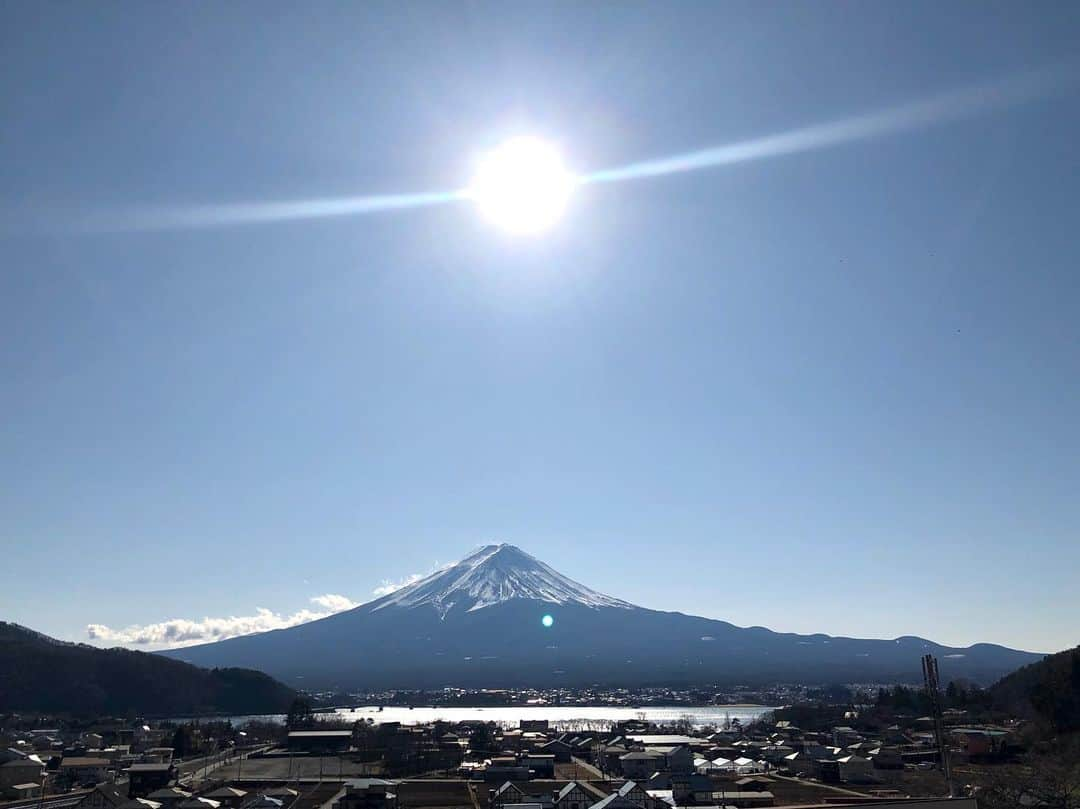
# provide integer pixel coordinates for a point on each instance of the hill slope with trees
(1047, 692)
(39, 673)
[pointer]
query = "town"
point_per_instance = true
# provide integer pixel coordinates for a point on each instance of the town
(834, 746)
(667, 696)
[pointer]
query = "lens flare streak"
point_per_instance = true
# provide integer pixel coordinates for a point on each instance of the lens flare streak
(265, 212)
(939, 109)
(943, 108)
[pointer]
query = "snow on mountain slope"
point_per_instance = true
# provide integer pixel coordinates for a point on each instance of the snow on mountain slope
(492, 575)
(478, 623)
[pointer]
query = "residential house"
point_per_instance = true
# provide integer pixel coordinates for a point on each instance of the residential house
(288, 795)
(675, 758)
(755, 783)
(856, 769)
(721, 764)
(775, 753)
(84, 770)
(144, 737)
(886, 758)
(505, 768)
(512, 740)
(798, 764)
(169, 797)
(264, 802)
(609, 758)
(200, 803)
(145, 778)
(691, 789)
(639, 764)
(540, 765)
(573, 796)
(614, 801)
(814, 751)
(320, 741)
(363, 793)
(508, 793)
(230, 797)
(532, 740)
(744, 799)
(560, 749)
(24, 791)
(745, 765)
(979, 741)
(42, 742)
(635, 793)
(843, 736)
(139, 803)
(104, 796)
(20, 770)
(661, 739)
(516, 796)
(722, 737)
(583, 746)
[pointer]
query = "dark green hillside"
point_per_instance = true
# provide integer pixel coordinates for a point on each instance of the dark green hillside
(38, 673)
(1047, 691)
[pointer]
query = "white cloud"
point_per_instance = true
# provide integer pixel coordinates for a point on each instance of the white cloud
(387, 587)
(185, 632)
(334, 602)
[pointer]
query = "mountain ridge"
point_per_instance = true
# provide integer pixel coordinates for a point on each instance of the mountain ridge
(479, 622)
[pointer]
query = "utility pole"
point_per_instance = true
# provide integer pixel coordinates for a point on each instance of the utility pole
(930, 677)
(44, 781)
(240, 763)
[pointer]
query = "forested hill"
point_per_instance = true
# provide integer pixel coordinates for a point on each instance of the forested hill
(1047, 691)
(38, 673)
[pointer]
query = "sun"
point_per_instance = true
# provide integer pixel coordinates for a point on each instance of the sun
(522, 185)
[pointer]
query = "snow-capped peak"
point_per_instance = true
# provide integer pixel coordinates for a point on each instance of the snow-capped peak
(491, 575)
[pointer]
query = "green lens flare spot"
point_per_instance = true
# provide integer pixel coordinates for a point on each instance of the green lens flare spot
(547, 620)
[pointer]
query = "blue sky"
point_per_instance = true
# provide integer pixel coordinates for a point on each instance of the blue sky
(828, 391)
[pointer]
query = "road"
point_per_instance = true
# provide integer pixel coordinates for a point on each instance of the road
(818, 785)
(187, 771)
(590, 771)
(50, 802)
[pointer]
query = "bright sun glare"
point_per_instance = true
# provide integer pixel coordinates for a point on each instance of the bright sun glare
(522, 186)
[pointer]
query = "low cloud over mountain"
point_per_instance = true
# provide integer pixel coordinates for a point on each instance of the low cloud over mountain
(178, 632)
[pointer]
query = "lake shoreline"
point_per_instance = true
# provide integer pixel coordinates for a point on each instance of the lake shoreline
(596, 716)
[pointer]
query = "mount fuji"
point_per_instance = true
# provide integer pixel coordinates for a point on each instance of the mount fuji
(491, 575)
(501, 617)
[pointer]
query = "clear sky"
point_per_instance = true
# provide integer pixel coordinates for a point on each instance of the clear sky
(836, 390)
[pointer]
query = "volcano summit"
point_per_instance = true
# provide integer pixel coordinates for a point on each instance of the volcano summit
(501, 617)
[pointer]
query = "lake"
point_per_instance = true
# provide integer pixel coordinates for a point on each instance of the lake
(573, 717)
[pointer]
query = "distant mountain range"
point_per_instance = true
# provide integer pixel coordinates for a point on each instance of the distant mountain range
(39, 673)
(481, 623)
